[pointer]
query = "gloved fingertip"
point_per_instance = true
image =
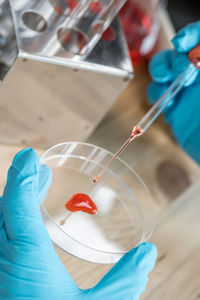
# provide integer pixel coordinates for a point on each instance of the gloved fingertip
(129, 276)
(178, 42)
(148, 247)
(187, 38)
(44, 181)
(144, 256)
(149, 253)
(26, 161)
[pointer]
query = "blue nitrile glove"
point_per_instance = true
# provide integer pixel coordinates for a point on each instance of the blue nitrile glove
(184, 113)
(29, 265)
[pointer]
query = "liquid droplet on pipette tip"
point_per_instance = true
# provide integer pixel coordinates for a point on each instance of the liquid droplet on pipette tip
(95, 179)
(137, 131)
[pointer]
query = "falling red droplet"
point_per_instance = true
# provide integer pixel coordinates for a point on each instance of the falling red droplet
(81, 202)
(72, 4)
(95, 7)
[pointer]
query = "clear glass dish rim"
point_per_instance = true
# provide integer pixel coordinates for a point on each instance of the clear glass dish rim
(145, 238)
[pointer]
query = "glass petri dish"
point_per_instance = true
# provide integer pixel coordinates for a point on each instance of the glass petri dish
(126, 214)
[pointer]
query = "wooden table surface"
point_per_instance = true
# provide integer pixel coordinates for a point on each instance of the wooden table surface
(174, 181)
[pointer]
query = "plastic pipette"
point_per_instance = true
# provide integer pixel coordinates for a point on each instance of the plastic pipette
(160, 105)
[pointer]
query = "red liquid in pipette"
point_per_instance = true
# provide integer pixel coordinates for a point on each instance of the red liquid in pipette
(137, 131)
(81, 202)
(137, 26)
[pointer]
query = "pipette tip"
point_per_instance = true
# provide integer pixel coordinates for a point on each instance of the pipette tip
(95, 179)
(137, 131)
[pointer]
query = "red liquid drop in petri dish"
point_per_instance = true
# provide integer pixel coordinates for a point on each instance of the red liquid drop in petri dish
(81, 202)
(137, 26)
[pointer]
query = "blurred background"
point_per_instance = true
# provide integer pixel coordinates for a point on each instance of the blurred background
(183, 12)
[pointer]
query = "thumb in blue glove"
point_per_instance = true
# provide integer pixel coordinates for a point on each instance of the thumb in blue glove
(183, 113)
(29, 265)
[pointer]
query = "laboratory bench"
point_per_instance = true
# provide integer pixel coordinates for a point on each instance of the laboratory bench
(174, 182)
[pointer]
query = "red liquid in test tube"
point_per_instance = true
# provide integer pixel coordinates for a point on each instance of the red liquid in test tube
(61, 6)
(137, 26)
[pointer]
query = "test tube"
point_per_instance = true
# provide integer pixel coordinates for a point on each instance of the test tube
(64, 7)
(86, 25)
(141, 23)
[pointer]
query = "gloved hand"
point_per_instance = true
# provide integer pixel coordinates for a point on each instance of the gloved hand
(183, 114)
(29, 265)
